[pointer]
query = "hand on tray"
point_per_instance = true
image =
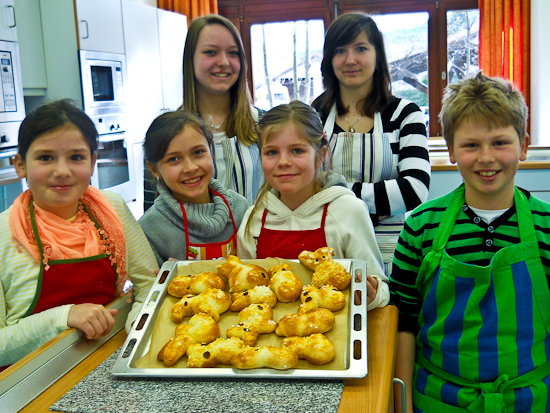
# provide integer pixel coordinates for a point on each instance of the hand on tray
(156, 272)
(372, 288)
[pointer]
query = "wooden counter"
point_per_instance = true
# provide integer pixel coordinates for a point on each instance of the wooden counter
(370, 394)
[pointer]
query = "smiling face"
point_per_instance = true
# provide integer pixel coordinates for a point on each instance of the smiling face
(354, 64)
(488, 160)
(290, 163)
(216, 62)
(187, 167)
(58, 168)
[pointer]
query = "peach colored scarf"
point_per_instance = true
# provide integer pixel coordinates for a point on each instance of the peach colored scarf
(72, 239)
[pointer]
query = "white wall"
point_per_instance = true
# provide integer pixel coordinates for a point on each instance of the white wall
(540, 64)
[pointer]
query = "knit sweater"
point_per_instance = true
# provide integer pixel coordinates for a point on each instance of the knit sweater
(164, 227)
(20, 335)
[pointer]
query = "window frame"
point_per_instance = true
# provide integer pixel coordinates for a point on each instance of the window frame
(245, 13)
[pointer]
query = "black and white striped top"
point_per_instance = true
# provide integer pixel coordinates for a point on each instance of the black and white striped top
(389, 167)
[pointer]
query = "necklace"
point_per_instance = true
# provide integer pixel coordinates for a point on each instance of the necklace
(351, 127)
(215, 127)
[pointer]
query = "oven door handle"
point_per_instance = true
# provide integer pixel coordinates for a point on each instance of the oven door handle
(111, 137)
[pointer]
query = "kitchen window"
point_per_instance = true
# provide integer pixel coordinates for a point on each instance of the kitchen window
(442, 59)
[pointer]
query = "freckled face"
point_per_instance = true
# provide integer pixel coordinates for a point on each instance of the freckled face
(58, 168)
(187, 167)
(289, 163)
(488, 160)
(216, 61)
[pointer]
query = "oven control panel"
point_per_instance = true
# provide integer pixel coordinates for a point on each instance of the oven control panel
(7, 103)
(106, 124)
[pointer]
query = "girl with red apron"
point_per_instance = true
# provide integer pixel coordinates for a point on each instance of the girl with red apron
(484, 339)
(289, 244)
(212, 250)
(72, 281)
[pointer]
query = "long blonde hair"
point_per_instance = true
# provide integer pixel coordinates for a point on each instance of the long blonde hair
(240, 122)
(309, 127)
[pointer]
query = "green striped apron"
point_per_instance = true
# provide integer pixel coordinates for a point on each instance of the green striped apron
(484, 342)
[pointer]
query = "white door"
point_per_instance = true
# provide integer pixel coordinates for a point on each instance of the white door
(144, 85)
(8, 23)
(100, 25)
(172, 32)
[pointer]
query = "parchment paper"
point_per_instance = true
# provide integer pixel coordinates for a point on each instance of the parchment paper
(164, 328)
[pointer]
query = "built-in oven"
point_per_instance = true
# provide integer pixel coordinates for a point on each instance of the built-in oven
(12, 112)
(103, 78)
(114, 170)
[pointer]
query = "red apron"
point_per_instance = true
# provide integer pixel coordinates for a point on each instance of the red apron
(72, 281)
(212, 250)
(289, 244)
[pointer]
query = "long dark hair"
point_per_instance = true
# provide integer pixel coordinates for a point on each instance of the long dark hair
(340, 33)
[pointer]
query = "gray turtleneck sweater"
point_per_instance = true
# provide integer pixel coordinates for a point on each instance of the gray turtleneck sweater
(164, 228)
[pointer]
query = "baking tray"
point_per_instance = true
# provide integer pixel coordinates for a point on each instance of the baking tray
(353, 356)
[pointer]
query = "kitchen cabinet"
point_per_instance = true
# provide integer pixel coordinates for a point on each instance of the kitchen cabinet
(8, 21)
(154, 40)
(172, 34)
(100, 25)
(50, 36)
(31, 46)
(59, 41)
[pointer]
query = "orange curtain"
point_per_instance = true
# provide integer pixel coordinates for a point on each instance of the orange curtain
(191, 8)
(504, 41)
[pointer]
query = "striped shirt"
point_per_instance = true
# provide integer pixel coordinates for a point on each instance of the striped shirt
(472, 241)
(390, 173)
(20, 335)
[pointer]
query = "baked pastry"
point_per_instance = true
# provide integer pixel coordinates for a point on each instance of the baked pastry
(318, 320)
(327, 297)
(256, 295)
(220, 351)
(284, 283)
(331, 273)
(212, 302)
(242, 277)
(316, 348)
(268, 356)
(201, 329)
(311, 259)
(195, 284)
(326, 270)
(254, 320)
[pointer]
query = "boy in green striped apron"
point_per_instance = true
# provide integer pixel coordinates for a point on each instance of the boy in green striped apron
(470, 272)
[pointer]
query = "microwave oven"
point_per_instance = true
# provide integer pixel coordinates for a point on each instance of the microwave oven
(103, 77)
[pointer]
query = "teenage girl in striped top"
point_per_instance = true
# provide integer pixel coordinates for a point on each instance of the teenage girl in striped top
(377, 141)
